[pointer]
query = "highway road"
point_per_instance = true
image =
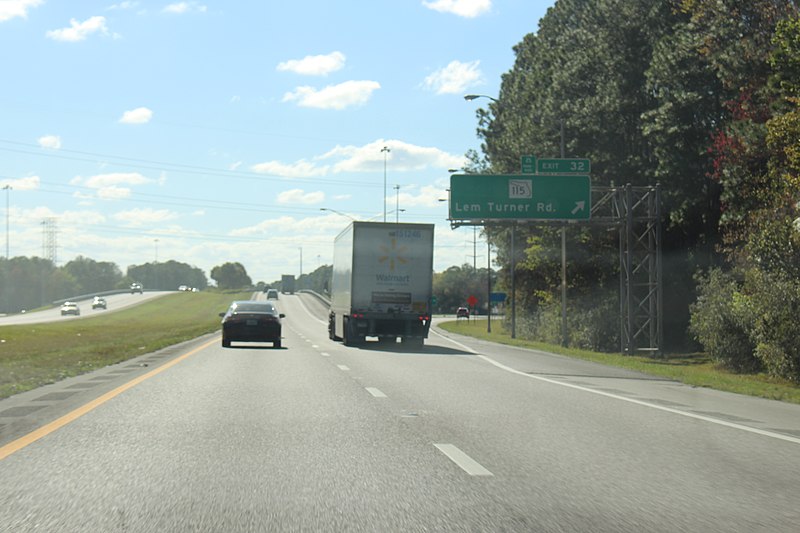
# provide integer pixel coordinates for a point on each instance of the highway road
(115, 303)
(462, 436)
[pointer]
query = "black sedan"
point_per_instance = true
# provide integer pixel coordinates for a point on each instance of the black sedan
(251, 321)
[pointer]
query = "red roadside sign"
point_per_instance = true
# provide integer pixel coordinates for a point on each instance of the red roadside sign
(472, 301)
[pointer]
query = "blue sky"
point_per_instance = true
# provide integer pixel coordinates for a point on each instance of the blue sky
(210, 131)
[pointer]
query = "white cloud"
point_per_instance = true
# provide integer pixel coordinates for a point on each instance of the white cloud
(141, 217)
(122, 5)
(111, 186)
(328, 224)
(30, 183)
(300, 197)
(426, 196)
(298, 169)
(184, 7)
(462, 8)
(320, 65)
(401, 157)
(50, 141)
(16, 8)
(112, 179)
(79, 31)
(455, 78)
(339, 96)
(140, 115)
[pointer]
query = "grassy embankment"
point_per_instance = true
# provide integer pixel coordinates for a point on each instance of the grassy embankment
(692, 369)
(36, 354)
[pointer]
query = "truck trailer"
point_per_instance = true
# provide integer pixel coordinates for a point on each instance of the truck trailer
(287, 283)
(382, 283)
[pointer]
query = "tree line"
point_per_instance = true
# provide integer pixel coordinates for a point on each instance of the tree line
(33, 282)
(700, 96)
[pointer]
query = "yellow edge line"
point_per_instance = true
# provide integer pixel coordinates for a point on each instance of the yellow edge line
(30, 438)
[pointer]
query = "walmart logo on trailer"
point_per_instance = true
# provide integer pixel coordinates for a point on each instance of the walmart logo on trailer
(393, 255)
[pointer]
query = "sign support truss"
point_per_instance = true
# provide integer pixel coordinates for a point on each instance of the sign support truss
(636, 213)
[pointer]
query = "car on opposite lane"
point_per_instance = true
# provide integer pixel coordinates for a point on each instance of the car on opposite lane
(99, 303)
(137, 287)
(70, 308)
(462, 312)
(251, 321)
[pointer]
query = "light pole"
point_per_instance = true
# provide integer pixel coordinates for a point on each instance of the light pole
(563, 257)
(397, 204)
(385, 150)
(469, 98)
(7, 188)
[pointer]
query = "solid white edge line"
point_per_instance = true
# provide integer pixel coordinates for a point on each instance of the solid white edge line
(464, 461)
(375, 392)
(325, 322)
(717, 421)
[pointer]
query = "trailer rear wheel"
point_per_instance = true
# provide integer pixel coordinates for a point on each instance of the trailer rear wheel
(349, 337)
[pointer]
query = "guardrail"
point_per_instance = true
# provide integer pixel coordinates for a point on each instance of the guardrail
(318, 296)
(93, 294)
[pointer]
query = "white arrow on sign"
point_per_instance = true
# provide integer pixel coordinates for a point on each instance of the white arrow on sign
(579, 206)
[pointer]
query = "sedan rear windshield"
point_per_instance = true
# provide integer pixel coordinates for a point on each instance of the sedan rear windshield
(254, 308)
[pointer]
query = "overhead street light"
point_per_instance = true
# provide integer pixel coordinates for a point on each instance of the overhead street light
(385, 150)
(337, 212)
(469, 98)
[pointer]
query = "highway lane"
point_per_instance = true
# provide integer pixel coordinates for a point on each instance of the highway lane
(115, 303)
(461, 436)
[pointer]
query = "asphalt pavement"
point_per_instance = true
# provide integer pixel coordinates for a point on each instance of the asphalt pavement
(462, 435)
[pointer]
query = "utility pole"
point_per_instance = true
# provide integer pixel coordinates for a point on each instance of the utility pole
(564, 339)
(7, 188)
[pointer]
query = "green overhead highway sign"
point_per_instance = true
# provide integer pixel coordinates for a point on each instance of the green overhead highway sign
(519, 197)
(528, 164)
(563, 166)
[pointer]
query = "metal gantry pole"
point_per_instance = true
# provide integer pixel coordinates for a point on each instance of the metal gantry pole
(660, 274)
(513, 283)
(488, 285)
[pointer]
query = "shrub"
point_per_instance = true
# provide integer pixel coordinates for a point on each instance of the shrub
(589, 326)
(720, 320)
(775, 310)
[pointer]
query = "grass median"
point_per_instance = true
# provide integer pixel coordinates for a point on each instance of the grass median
(693, 369)
(33, 355)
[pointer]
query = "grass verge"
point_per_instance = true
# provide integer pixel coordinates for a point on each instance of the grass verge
(693, 369)
(37, 354)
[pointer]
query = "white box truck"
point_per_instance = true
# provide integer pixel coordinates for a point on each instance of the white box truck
(382, 283)
(287, 283)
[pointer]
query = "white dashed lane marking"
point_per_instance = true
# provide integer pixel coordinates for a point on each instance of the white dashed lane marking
(376, 392)
(464, 461)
